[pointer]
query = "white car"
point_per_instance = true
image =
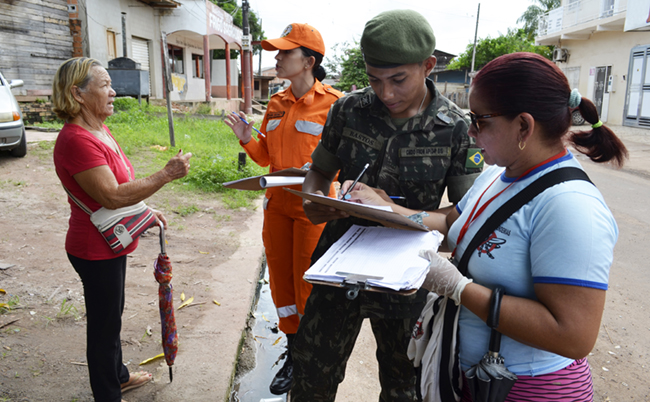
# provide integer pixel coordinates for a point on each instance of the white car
(12, 128)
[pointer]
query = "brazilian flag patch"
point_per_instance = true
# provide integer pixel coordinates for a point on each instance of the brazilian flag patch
(474, 158)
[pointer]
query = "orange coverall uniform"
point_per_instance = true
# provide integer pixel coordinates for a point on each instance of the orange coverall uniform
(293, 128)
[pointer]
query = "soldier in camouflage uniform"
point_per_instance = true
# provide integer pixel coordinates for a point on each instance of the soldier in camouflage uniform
(416, 146)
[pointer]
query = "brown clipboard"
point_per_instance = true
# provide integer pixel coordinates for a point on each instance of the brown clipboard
(387, 218)
(253, 183)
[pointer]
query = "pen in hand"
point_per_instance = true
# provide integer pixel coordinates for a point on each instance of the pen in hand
(244, 120)
(347, 195)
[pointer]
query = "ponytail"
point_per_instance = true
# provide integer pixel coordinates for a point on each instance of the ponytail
(600, 143)
(319, 73)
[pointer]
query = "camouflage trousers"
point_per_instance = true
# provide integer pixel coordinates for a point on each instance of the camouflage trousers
(325, 340)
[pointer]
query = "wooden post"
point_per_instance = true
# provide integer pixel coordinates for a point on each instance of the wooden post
(206, 68)
(228, 83)
(167, 77)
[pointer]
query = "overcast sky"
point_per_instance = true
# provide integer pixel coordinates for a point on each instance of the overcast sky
(338, 21)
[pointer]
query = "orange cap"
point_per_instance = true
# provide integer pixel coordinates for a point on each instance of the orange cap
(294, 36)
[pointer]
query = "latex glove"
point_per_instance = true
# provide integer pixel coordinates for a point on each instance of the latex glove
(443, 277)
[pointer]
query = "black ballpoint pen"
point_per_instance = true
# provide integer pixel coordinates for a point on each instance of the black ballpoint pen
(355, 181)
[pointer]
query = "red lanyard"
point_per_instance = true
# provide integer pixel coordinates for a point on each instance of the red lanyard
(475, 214)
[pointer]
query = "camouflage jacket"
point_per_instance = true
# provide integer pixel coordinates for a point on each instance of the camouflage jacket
(417, 161)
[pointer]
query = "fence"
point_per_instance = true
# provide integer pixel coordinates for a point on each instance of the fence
(459, 98)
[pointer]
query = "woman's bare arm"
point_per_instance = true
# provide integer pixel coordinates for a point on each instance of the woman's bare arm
(100, 183)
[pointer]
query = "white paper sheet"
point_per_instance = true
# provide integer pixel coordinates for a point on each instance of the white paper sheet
(388, 257)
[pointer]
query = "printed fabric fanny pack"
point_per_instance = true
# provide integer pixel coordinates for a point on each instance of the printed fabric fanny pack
(121, 226)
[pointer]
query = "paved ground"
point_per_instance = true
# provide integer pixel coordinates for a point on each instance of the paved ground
(361, 381)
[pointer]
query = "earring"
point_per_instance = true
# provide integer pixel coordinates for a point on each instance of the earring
(521, 147)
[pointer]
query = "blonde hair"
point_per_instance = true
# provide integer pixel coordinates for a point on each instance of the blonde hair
(74, 71)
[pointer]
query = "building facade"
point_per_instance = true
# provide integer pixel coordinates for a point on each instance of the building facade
(183, 31)
(36, 39)
(38, 35)
(603, 47)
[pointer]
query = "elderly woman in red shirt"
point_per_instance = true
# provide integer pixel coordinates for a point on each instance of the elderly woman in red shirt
(93, 169)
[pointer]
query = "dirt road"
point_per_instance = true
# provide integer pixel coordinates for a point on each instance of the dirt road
(215, 255)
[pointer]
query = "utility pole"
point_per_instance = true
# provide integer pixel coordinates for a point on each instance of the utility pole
(471, 76)
(259, 67)
(124, 35)
(246, 61)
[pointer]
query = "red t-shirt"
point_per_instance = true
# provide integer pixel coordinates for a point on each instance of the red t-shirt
(77, 150)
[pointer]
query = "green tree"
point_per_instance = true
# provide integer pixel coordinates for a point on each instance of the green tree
(352, 67)
(332, 63)
(254, 25)
(531, 16)
(488, 49)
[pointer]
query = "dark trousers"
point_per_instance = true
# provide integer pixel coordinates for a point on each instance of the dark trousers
(103, 283)
(326, 337)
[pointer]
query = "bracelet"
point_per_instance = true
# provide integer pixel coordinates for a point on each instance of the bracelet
(418, 217)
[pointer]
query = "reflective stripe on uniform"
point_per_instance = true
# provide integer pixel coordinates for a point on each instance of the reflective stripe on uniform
(272, 124)
(308, 127)
(287, 311)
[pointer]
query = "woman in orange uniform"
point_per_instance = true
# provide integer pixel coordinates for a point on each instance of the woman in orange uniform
(292, 126)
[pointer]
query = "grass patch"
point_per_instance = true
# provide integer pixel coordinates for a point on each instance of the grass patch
(13, 302)
(12, 182)
(186, 210)
(204, 108)
(46, 145)
(215, 150)
(55, 124)
(68, 310)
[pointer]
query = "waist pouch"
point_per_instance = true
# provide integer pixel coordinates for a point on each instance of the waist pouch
(119, 227)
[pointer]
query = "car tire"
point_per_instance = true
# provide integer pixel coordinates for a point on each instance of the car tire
(21, 150)
(576, 118)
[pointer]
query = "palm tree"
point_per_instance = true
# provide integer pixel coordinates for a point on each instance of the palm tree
(531, 16)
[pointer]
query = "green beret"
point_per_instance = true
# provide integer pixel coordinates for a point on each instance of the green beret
(397, 37)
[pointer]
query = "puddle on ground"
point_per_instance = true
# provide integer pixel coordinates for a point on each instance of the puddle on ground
(254, 386)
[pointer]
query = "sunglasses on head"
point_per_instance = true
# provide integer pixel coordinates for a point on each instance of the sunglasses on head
(474, 118)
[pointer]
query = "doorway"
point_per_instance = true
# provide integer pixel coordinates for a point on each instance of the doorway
(637, 97)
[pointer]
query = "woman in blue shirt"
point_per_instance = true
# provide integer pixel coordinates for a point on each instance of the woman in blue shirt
(552, 256)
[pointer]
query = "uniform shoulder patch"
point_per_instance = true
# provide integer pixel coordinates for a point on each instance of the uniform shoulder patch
(474, 158)
(365, 100)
